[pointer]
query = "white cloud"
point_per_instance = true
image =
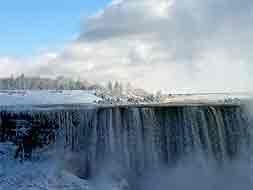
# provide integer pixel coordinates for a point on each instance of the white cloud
(180, 45)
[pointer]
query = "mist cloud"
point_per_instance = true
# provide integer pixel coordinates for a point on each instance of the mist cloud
(184, 28)
(177, 46)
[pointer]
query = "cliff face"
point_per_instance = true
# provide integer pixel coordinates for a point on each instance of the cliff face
(140, 138)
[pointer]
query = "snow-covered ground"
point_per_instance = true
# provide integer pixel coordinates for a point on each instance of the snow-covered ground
(45, 173)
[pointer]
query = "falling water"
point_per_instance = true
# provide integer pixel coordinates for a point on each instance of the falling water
(150, 137)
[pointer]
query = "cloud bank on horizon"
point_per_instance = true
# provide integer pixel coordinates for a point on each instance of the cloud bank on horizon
(173, 45)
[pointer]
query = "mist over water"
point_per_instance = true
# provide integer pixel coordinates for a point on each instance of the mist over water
(233, 176)
(193, 173)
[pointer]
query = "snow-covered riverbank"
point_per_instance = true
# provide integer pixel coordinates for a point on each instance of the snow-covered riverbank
(44, 173)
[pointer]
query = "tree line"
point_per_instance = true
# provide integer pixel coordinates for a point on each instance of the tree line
(22, 82)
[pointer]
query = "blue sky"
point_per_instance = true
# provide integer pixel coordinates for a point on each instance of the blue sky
(30, 26)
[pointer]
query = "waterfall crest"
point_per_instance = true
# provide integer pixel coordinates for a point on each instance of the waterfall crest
(140, 138)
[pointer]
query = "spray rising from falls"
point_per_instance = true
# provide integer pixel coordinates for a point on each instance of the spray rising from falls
(141, 139)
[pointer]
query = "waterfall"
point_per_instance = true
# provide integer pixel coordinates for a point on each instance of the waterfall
(145, 138)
